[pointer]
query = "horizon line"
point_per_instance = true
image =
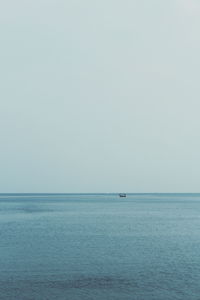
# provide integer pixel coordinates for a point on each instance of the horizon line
(92, 193)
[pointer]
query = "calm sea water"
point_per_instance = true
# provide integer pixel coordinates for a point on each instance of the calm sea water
(82, 247)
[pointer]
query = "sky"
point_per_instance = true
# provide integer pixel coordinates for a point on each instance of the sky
(100, 96)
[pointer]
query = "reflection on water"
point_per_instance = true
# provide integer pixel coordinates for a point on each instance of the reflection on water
(80, 247)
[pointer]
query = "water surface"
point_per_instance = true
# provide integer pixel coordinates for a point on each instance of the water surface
(82, 247)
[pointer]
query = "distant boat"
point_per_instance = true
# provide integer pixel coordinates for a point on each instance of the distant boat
(122, 195)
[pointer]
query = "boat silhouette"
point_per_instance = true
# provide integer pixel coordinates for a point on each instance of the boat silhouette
(122, 195)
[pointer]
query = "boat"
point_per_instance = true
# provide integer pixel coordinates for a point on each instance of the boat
(122, 195)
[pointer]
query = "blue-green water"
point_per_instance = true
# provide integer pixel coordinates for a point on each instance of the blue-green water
(81, 247)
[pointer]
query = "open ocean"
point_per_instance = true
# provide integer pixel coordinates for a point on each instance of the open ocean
(100, 246)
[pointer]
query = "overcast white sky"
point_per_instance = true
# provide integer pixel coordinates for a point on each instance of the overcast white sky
(100, 96)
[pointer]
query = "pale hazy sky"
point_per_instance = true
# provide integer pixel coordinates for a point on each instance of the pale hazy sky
(100, 96)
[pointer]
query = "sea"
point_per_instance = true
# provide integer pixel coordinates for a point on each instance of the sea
(99, 246)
